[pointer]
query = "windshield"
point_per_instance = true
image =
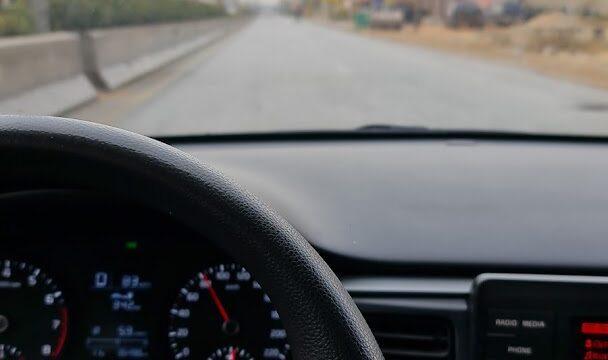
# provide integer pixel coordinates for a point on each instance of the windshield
(190, 67)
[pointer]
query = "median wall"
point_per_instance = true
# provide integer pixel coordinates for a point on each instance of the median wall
(114, 57)
(42, 74)
(52, 73)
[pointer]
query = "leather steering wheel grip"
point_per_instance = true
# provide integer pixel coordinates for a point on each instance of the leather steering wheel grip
(320, 317)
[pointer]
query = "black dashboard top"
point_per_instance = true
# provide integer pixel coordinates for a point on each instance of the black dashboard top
(434, 202)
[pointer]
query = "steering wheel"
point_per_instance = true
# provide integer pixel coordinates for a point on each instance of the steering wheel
(320, 317)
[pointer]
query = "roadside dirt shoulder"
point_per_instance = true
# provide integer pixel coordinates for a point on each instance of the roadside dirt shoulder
(550, 45)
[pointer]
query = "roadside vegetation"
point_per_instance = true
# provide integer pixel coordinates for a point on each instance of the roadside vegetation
(15, 19)
(86, 14)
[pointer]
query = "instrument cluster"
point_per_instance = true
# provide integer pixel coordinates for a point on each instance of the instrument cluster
(116, 282)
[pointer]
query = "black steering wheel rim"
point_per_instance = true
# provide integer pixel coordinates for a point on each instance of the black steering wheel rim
(320, 317)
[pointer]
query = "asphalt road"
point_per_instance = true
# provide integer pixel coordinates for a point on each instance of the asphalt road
(279, 74)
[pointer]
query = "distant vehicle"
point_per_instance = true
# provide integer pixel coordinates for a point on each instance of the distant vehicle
(387, 18)
(298, 11)
(465, 14)
(508, 13)
(411, 14)
(406, 10)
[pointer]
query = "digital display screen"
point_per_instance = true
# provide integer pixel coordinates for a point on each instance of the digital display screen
(119, 326)
(590, 339)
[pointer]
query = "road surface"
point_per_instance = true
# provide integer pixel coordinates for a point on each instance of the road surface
(279, 74)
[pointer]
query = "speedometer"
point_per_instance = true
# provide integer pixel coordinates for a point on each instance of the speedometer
(224, 307)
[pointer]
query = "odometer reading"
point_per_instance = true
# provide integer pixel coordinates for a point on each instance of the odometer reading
(223, 307)
(33, 316)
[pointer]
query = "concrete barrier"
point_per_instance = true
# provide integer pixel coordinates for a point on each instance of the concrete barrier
(114, 57)
(42, 74)
(52, 73)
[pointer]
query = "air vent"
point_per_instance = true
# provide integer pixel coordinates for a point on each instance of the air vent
(403, 337)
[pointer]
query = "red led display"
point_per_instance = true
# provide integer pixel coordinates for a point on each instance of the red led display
(591, 344)
(591, 328)
(592, 337)
(590, 355)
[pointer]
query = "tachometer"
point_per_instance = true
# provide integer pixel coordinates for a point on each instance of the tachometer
(223, 307)
(33, 316)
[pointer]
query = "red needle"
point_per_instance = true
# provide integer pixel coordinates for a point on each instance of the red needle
(233, 354)
(216, 300)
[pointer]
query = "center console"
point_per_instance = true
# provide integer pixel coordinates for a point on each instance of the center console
(540, 317)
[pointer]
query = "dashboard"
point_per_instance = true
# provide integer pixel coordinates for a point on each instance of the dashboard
(409, 225)
(452, 249)
(86, 277)
(459, 203)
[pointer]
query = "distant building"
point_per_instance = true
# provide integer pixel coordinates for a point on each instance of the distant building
(435, 8)
(439, 8)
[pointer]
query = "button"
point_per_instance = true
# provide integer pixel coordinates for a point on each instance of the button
(503, 322)
(537, 323)
(534, 324)
(515, 322)
(517, 349)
